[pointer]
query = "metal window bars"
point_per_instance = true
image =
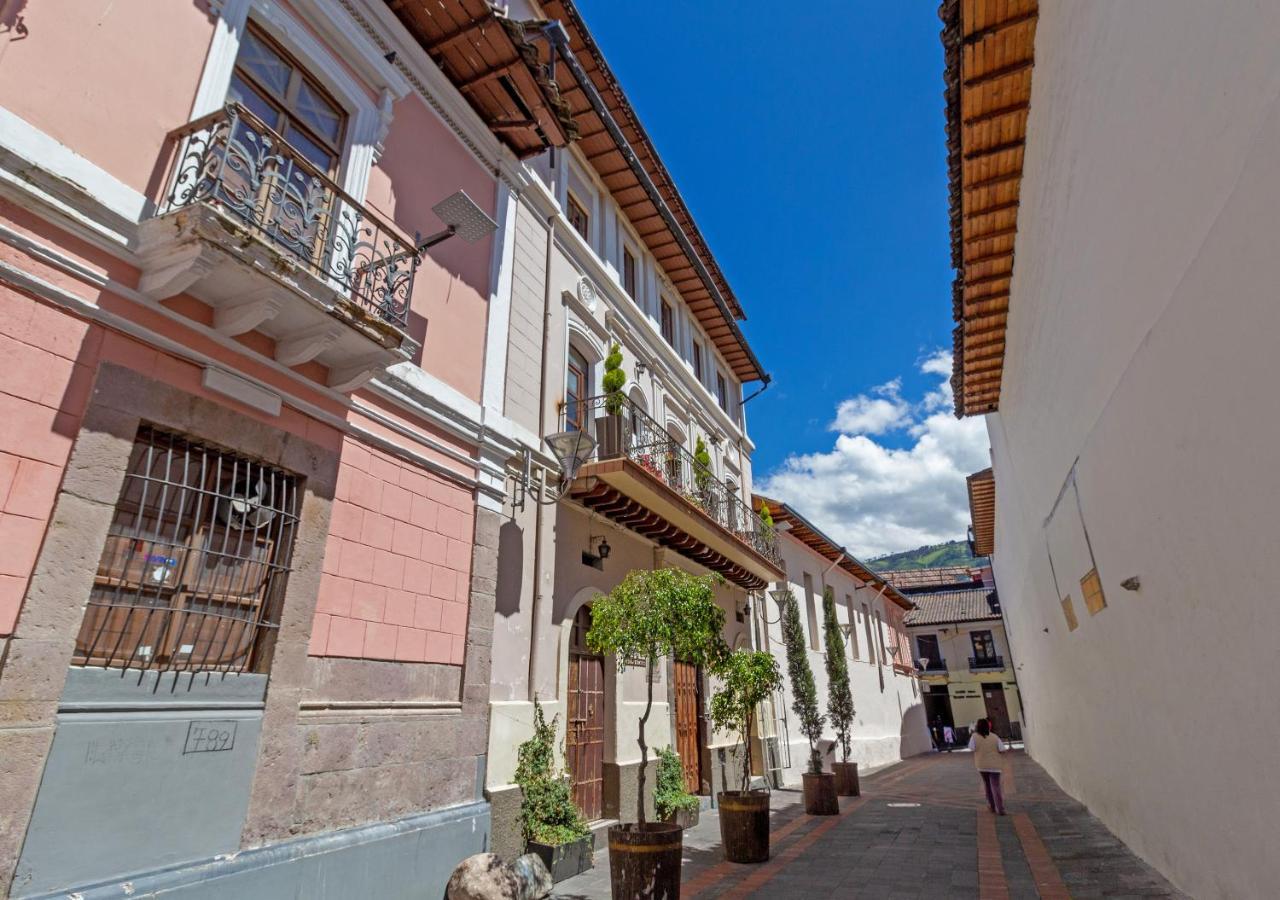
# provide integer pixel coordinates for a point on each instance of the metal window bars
(623, 429)
(231, 160)
(193, 573)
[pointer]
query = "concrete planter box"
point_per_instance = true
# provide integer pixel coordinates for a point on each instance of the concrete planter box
(566, 860)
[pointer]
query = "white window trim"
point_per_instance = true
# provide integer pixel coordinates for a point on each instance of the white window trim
(370, 121)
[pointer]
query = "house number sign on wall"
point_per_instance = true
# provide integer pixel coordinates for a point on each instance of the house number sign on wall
(209, 737)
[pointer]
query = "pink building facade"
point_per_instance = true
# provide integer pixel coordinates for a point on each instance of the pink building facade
(248, 488)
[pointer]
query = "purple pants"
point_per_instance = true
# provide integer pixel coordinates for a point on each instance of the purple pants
(995, 799)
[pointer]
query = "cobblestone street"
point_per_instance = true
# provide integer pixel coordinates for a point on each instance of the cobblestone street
(920, 829)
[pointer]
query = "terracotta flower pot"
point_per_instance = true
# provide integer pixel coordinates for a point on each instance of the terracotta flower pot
(744, 825)
(644, 860)
(846, 779)
(820, 794)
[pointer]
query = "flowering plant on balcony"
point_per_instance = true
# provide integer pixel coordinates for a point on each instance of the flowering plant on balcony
(650, 465)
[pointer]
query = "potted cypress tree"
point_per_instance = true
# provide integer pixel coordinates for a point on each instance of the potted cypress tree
(703, 479)
(609, 426)
(839, 696)
(553, 827)
(747, 679)
(670, 800)
(652, 614)
(819, 786)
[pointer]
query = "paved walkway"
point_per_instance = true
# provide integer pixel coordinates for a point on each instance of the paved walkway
(920, 829)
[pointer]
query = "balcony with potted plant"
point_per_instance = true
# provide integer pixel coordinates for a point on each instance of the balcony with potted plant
(635, 473)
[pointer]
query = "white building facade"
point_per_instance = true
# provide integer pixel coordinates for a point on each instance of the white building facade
(889, 724)
(1127, 369)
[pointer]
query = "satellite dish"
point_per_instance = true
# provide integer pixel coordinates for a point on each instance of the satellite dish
(249, 506)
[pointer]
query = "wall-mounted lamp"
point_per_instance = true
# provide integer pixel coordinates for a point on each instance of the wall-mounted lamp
(602, 551)
(641, 367)
(572, 449)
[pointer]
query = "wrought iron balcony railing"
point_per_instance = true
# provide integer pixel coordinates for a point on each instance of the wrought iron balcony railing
(233, 161)
(931, 665)
(624, 430)
(978, 663)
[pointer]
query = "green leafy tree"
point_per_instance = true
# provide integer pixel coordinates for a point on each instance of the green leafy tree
(669, 796)
(547, 813)
(804, 694)
(747, 679)
(615, 379)
(839, 695)
(655, 613)
(766, 517)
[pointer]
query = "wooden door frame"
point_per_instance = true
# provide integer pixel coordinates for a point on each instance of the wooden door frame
(578, 654)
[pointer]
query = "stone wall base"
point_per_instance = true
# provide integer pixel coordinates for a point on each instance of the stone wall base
(621, 787)
(507, 837)
(409, 858)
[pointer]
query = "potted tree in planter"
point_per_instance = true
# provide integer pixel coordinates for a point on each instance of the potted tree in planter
(553, 827)
(671, 801)
(609, 426)
(704, 481)
(819, 786)
(839, 696)
(747, 679)
(652, 614)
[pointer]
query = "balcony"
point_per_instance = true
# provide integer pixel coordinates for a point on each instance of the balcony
(640, 477)
(986, 663)
(248, 226)
(931, 666)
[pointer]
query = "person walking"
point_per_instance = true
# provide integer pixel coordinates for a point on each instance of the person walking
(987, 748)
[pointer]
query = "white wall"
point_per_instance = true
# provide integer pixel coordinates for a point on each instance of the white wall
(889, 723)
(1142, 342)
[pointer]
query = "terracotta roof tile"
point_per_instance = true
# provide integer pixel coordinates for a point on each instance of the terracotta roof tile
(953, 606)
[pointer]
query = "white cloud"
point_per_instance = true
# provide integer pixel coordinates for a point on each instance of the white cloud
(877, 499)
(884, 412)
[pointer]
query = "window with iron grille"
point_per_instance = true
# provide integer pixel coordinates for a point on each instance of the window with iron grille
(193, 574)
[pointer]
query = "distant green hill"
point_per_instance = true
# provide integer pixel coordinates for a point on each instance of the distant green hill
(952, 553)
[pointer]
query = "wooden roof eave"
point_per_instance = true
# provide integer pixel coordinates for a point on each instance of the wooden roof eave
(989, 48)
(592, 80)
(809, 535)
(495, 63)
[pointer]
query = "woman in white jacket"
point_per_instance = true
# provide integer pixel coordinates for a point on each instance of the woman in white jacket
(987, 748)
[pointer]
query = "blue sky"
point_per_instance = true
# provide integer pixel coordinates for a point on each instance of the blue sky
(811, 150)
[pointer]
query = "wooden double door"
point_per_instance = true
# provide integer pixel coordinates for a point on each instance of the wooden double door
(687, 681)
(997, 709)
(585, 720)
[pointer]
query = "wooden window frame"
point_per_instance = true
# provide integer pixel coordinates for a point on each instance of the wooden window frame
(630, 272)
(573, 405)
(579, 218)
(286, 114)
(667, 321)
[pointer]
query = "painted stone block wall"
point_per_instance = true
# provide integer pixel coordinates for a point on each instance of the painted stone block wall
(43, 389)
(398, 563)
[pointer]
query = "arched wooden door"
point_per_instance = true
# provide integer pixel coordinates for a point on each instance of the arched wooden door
(688, 691)
(584, 740)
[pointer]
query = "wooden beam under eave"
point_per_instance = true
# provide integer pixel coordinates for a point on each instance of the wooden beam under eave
(990, 257)
(995, 150)
(987, 279)
(992, 114)
(980, 34)
(990, 210)
(997, 74)
(488, 75)
(453, 37)
(991, 235)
